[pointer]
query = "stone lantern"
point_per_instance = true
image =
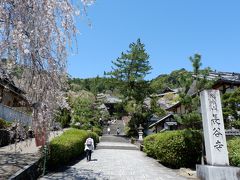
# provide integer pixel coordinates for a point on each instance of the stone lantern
(140, 133)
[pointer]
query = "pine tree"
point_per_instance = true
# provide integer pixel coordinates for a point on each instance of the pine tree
(196, 63)
(130, 70)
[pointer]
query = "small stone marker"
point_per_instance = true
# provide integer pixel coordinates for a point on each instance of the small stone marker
(213, 127)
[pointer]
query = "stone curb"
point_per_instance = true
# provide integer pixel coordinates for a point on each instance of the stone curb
(28, 172)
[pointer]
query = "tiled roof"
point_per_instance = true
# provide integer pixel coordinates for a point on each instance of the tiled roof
(107, 98)
(162, 119)
(227, 76)
(7, 81)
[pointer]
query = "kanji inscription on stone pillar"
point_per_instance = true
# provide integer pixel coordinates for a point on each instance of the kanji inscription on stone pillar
(213, 128)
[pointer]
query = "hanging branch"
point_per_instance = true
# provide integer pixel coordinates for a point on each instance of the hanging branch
(34, 34)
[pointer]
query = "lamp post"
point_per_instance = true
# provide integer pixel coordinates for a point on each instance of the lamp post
(140, 133)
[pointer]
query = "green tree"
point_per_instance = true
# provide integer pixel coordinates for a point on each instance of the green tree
(156, 109)
(83, 109)
(190, 96)
(159, 83)
(130, 70)
(196, 63)
(176, 79)
(94, 85)
(64, 117)
(231, 108)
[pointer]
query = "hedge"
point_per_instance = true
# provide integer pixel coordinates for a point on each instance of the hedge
(94, 136)
(68, 146)
(149, 146)
(234, 151)
(97, 130)
(175, 149)
(86, 127)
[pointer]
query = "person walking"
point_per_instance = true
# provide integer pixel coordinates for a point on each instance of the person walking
(118, 131)
(108, 130)
(89, 147)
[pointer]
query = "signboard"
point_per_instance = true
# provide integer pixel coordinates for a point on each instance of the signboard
(171, 123)
(213, 128)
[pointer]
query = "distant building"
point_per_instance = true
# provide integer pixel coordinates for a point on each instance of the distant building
(10, 94)
(177, 108)
(165, 99)
(162, 124)
(226, 82)
(223, 81)
(13, 103)
(108, 102)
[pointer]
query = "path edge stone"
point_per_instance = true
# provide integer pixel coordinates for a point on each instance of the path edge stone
(31, 171)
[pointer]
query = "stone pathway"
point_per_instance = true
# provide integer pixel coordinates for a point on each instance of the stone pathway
(114, 164)
(14, 158)
(116, 159)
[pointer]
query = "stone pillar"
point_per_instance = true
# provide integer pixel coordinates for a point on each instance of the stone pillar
(215, 140)
(213, 128)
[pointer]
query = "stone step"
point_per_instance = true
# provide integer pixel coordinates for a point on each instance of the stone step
(111, 138)
(113, 127)
(117, 147)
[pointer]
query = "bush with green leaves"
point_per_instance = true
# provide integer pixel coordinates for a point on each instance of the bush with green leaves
(190, 120)
(68, 146)
(97, 130)
(94, 136)
(149, 143)
(84, 110)
(175, 149)
(231, 108)
(4, 124)
(64, 117)
(89, 127)
(137, 118)
(234, 151)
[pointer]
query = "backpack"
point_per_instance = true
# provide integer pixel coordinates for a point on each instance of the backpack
(89, 142)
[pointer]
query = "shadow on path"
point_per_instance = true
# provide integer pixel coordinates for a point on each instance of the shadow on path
(73, 173)
(11, 163)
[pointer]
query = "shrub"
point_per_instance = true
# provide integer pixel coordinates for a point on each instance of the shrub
(175, 149)
(132, 140)
(234, 151)
(97, 130)
(4, 124)
(94, 136)
(191, 120)
(149, 145)
(88, 127)
(63, 116)
(68, 146)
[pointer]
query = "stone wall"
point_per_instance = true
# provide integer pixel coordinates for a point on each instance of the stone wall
(10, 114)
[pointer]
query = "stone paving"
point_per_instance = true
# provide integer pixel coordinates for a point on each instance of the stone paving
(15, 157)
(116, 159)
(117, 164)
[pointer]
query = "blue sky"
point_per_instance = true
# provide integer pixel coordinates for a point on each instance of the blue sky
(172, 30)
